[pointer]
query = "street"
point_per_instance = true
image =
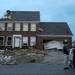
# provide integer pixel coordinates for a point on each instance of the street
(35, 69)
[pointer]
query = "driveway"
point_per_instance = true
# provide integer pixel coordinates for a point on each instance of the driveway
(54, 57)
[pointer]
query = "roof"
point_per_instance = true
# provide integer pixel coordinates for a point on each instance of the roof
(24, 16)
(55, 28)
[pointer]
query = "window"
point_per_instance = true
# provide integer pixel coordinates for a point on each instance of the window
(25, 41)
(2, 26)
(33, 27)
(32, 41)
(1, 41)
(17, 27)
(9, 27)
(25, 27)
(9, 40)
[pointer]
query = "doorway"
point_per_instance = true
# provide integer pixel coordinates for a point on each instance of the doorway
(17, 41)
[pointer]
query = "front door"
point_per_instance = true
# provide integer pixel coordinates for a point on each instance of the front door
(17, 41)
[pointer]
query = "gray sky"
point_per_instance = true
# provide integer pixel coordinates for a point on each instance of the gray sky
(50, 10)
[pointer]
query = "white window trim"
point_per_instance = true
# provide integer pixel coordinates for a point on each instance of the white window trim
(18, 27)
(7, 40)
(30, 40)
(24, 27)
(12, 26)
(27, 39)
(31, 27)
(3, 40)
(4, 26)
(54, 35)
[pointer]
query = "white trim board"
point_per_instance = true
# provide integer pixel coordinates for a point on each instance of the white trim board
(54, 35)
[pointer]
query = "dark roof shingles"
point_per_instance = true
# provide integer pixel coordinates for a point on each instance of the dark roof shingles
(24, 16)
(55, 28)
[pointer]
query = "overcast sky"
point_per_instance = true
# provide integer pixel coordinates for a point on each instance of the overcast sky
(50, 10)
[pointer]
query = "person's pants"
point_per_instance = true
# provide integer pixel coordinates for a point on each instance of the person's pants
(66, 60)
(74, 62)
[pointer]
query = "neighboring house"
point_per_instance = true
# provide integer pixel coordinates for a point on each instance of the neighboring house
(23, 28)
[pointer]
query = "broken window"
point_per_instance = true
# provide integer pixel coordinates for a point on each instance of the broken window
(25, 41)
(32, 41)
(9, 27)
(1, 41)
(9, 41)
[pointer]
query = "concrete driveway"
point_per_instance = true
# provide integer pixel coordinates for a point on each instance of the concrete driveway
(54, 57)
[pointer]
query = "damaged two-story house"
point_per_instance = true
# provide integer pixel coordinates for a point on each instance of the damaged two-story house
(23, 28)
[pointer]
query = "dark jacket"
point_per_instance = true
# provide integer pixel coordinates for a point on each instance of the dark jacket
(65, 50)
(74, 58)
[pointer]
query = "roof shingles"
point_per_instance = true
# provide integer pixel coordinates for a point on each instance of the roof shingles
(24, 16)
(55, 28)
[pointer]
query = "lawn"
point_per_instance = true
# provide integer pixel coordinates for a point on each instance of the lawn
(22, 56)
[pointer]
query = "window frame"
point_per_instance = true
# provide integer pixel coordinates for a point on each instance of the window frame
(7, 26)
(4, 26)
(7, 40)
(31, 41)
(25, 27)
(25, 41)
(31, 27)
(3, 40)
(17, 27)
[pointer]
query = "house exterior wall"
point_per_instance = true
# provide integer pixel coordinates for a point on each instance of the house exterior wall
(6, 33)
(39, 40)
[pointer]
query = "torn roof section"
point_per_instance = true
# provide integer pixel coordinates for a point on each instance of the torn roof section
(22, 16)
(55, 28)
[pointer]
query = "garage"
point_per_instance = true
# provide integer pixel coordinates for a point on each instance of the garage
(53, 44)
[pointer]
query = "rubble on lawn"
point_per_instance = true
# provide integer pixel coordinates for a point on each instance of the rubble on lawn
(7, 59)
(22, 56)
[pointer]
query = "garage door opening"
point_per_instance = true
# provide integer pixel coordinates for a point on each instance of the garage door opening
(53, 44)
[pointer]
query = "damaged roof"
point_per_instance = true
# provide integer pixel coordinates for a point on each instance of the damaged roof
(24, 16)
(55, 28)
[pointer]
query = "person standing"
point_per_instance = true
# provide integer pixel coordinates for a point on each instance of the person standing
(74, 57)
(66, 57)
(71, 58)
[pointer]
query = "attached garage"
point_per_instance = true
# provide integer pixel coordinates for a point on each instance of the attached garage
(53, 35)
(53, 44)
